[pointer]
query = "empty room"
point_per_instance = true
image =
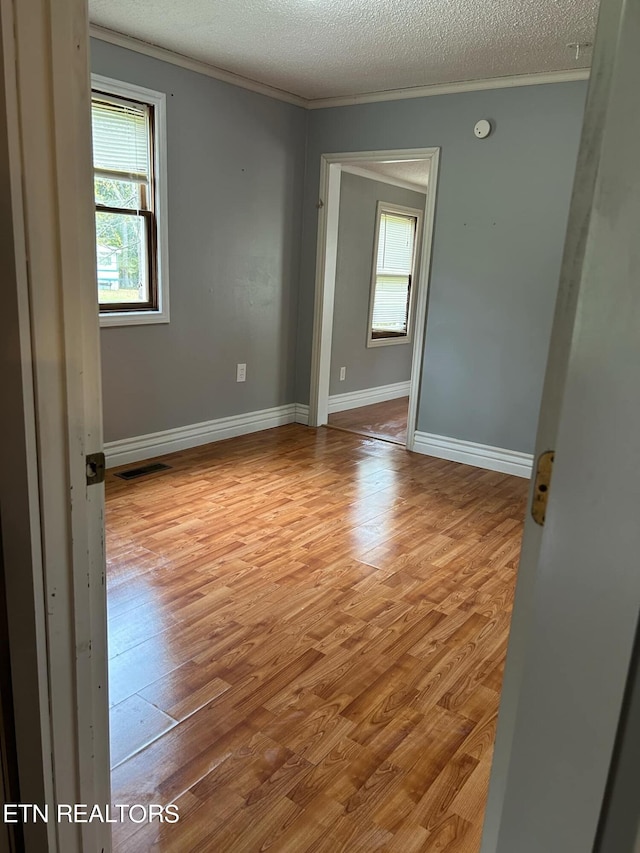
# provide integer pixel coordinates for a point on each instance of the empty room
(307, 627)
(313, 313)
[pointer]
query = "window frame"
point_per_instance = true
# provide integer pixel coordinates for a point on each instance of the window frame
(157, 237)
(394, 340)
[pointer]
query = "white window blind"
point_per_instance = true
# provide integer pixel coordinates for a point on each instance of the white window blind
(395, 243)
(121, 138)
(391, 303)
(394, 264)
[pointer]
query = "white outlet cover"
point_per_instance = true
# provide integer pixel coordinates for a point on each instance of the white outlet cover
(482, 128)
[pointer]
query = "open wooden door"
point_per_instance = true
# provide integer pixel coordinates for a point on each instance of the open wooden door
(54, 358)
(578, 593)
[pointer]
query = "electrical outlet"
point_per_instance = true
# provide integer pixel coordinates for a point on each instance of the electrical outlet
(343, 374)
(241, 373)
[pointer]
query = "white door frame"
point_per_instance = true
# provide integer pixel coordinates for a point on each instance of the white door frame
(326, 258)
(47, 88)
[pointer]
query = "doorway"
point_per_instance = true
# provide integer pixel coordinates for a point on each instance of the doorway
(386, 198)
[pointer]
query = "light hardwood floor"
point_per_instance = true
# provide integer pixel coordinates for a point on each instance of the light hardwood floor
(307, 635)
(386, 420)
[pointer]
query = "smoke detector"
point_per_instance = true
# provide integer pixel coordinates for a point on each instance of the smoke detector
(482, 128)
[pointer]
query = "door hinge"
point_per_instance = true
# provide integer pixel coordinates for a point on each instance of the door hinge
(542, 486)
(95, 468)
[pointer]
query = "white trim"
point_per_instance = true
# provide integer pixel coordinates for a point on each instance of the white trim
(134, 318)
(384, 179)
(159, 102)
(302, 414)
(325, 285)
(164, 55)
(420, 320)
(485, 84)
(385, 207)
(144, 447)
(368, 396)
(471, 453)
(325, 280)
(199, 67)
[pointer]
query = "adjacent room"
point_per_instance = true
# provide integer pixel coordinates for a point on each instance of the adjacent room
(379, 239)
(314, 505)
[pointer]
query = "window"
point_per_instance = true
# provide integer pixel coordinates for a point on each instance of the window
(129, 184)
(397, 232)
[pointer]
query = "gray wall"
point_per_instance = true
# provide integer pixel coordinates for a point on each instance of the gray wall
(500, 224)
(367, 367)
(236, 166)
(241, 291)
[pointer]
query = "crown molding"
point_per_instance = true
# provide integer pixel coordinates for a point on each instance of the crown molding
(452, 88)
(148, 49)
(162, 53)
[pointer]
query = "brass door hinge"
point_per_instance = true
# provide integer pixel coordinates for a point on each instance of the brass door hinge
(542, 486)
(95, 468)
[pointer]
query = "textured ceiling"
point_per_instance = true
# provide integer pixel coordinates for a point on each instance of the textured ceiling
(327, 48)
(414, 172)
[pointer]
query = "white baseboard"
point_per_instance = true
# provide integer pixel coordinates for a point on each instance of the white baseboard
(470, 453)
(302, 414)
(144, 447)
(355, 399)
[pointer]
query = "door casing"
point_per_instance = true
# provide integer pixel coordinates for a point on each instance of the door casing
(326, 259)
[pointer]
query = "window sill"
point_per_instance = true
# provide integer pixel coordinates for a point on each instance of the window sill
(133, 318)
(389, 342)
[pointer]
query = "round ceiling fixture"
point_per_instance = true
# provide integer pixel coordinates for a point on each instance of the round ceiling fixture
(482, 129)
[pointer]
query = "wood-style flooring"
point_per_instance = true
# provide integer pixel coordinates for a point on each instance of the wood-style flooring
(307, 634)
(386, 420)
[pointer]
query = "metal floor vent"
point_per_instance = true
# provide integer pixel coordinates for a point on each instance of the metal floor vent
(134, 473)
